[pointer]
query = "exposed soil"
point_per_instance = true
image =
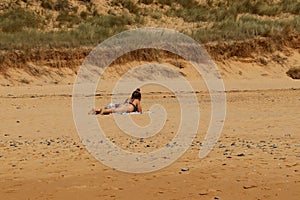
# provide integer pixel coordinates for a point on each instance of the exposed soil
(40, 62)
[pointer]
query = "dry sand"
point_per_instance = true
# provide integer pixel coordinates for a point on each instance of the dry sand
(256, 157)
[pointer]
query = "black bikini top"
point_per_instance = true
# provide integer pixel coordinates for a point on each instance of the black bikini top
(135, 109)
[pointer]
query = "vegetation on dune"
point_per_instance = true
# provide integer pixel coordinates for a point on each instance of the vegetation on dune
(59, 23)
(54, 33)
(220, 10)
(247, 27)
(17, 20)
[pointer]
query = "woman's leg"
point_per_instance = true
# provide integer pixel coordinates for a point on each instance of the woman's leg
(121, 109)
(95, 111)
(107, 111)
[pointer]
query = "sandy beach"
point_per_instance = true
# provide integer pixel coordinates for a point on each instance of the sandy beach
(256, 157)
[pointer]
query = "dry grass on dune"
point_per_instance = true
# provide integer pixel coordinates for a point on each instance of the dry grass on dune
(75, 23)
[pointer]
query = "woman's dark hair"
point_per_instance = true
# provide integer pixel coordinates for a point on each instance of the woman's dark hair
(136, 94)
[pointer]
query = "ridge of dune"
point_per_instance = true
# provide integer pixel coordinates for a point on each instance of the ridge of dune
(60, 67)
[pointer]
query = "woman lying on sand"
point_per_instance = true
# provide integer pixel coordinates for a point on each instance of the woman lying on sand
(133, 104)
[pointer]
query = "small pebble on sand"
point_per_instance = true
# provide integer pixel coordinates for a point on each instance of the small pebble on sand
(185, 169)
(249, 186)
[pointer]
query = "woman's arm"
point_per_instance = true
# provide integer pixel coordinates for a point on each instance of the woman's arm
(139, 107)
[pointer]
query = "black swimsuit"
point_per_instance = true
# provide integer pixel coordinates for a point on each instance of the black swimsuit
(135, 109)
